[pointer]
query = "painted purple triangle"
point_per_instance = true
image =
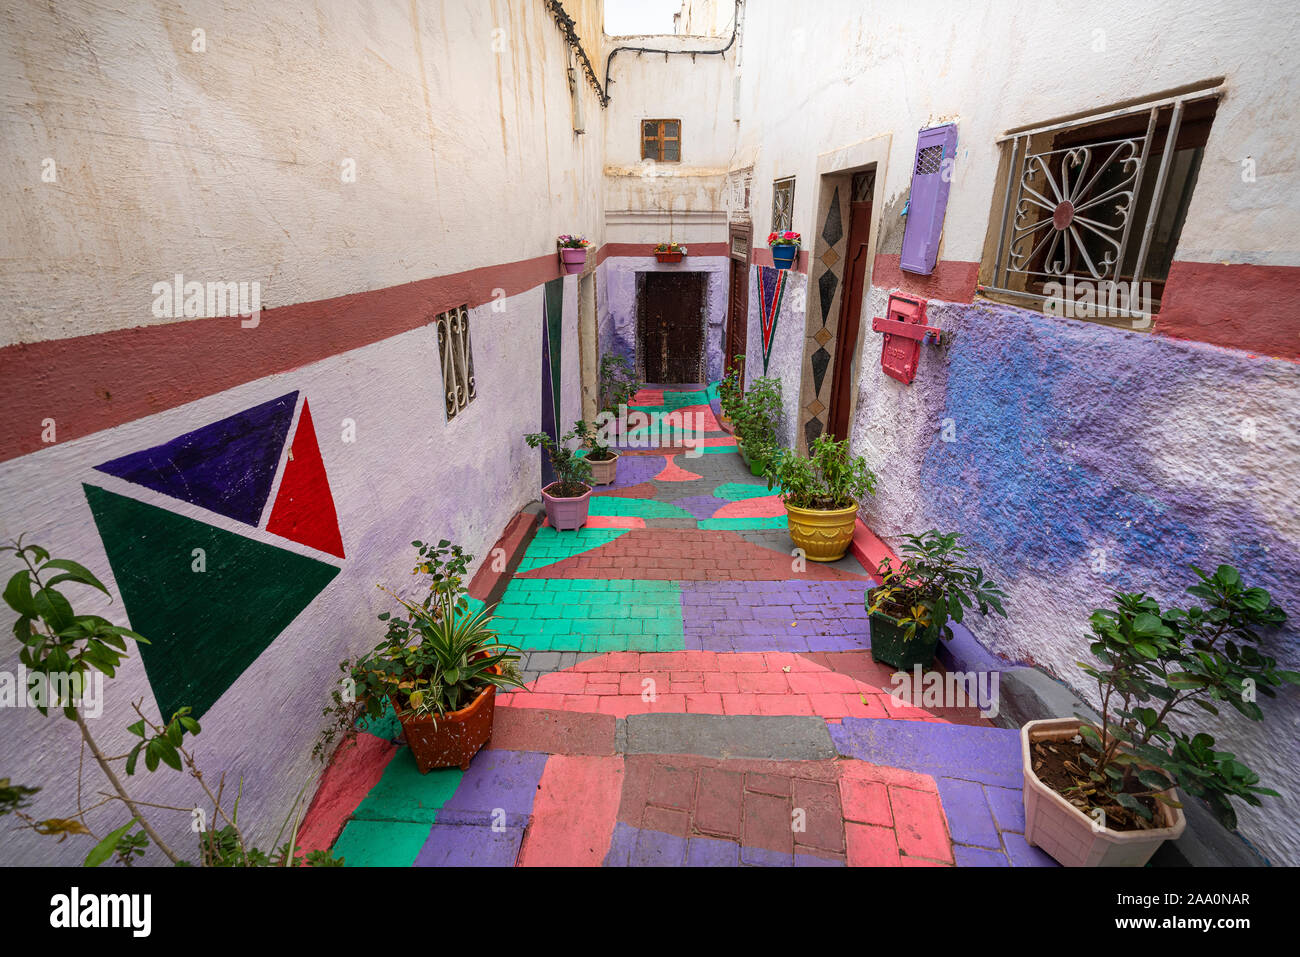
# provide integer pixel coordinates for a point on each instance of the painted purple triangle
(226, 467)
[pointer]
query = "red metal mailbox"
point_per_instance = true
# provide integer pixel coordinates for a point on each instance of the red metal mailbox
(905, 331)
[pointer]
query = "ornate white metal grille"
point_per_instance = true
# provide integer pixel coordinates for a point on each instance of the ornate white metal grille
(457, 359)
(782, 204)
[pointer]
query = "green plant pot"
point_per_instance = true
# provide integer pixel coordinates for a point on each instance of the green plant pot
(756, 466)
(740, 450)
(889, 647)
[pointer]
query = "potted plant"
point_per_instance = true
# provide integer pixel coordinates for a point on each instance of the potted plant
(670, 252)
(821, 492)
(618, 383)
(756, 419)
(1102, 794)
(568, 497)
(573, 253)
(785, 248)
(439, 666)
(603, 459)
(731, 392)
(919, 595)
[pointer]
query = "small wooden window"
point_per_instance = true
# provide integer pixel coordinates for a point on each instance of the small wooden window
(661, 140)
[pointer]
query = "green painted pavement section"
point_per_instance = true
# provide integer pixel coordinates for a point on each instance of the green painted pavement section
(204, 627)
(549, 546)
(404, 794)
(636, 507)
(739, 491)
(743, 524)
(591, 615)
(381, 843)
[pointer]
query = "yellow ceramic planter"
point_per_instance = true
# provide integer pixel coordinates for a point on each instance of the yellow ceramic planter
(824, 536)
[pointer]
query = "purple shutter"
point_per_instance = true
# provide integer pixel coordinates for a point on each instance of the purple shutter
(929, 198)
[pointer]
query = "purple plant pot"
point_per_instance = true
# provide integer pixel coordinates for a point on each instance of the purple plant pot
(566, 514)
(573, 259)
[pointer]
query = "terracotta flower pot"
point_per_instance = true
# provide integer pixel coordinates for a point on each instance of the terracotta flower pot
(668, 257)
(726, 423)
(604, 472)
(890, 647)
(450, 740)
(573, 259)
(566, 514)
(824, 535)
(1072, 837)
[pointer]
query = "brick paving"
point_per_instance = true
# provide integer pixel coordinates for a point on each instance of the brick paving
(697, 696)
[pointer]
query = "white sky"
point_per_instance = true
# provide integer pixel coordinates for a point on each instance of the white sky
(631, 17)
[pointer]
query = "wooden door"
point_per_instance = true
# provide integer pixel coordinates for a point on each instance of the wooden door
(738, 301)
(847, 339)
(672, 327)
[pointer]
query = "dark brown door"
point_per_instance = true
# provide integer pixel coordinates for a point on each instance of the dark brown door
(847, 335)
(672, 326)
(738, 302)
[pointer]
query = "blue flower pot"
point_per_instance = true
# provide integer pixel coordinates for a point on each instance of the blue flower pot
(784, 256)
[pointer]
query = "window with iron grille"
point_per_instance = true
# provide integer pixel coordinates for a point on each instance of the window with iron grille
(457, 359)
(783, 204)
(661, 140)
(1098, 200)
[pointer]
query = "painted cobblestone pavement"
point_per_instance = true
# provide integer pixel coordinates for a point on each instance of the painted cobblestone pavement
(695, 699)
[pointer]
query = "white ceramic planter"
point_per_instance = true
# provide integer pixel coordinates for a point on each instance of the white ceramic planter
(1066, 833)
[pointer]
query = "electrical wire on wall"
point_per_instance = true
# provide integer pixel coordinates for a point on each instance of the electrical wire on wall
(609, 61)
(568, 28)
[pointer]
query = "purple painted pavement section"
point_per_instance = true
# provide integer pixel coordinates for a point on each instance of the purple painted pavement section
(967, 752)
(633, 470)
(466, 845)
(775, 616)
(701, 506)
(482, 824)
(504, 780)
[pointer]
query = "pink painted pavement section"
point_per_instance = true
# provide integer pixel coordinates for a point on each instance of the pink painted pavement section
(765, 506)
(707, 682)
(574, 812)
(609, 521)
(675, 473)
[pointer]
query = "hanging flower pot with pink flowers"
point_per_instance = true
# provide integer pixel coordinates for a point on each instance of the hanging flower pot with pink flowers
(785, 248)
(573, 253)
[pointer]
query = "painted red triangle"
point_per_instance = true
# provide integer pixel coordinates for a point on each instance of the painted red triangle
(304, 508)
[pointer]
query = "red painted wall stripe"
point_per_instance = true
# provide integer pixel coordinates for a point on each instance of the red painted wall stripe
(952, 280)
(90, 383)
(1255, 308)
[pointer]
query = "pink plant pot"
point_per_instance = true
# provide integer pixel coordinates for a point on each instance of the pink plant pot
(566, 514)
(573, 259)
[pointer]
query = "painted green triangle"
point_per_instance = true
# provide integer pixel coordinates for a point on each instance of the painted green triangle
(204, 627)
(555, 327)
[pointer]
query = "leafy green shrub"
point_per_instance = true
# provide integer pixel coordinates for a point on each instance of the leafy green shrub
(618, 383)
(63, 650)
(930, 586)
(829, 478)
(591, 436)
(731, 390)
(758, 416)
(1152, 664)
(572, 471)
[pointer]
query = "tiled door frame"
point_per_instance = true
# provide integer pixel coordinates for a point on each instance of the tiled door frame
(821, 317)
